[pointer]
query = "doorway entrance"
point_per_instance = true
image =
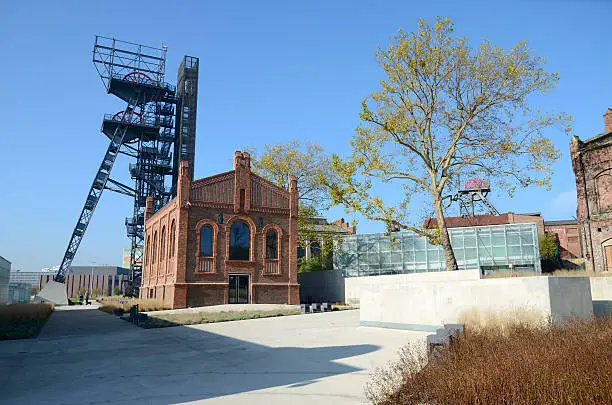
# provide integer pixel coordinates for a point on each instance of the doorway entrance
(238, 289)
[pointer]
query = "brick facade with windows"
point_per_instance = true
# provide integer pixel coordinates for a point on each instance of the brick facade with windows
(228, 238)
(592, 163)
(568, 235)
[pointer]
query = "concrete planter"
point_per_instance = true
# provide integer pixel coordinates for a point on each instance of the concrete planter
(427, 305)
(601, 291)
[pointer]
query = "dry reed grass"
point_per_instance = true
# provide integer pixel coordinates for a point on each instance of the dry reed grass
(478, 320)
(516, 364)
(558, 273)
(110, 303)
(23, 320)
(194, 318)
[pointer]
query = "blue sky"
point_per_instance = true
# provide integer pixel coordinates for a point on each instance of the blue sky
(270, 71)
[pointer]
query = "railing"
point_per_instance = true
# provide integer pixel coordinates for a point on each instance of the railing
(271, 267)
(206, 265)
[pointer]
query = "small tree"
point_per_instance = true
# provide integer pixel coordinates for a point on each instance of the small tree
(549, 248)
(116, 290)
(309, 164)
(443, 111)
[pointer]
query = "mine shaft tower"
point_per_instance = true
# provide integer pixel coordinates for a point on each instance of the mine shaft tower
(145, 131)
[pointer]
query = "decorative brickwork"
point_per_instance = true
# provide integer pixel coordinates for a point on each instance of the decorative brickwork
(592, 163)
(184, 278)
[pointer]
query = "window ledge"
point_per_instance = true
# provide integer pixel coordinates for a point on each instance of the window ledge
(240, 263)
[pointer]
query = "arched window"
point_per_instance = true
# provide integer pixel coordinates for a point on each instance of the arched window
(154, 247)
(271, 244)
(315, 249)
(147, 254)
(162, 252)
(206, 241)
(240, 241)
(172, 238)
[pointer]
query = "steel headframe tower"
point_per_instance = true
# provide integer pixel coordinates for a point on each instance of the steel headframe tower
(144, 130)
(475, 191)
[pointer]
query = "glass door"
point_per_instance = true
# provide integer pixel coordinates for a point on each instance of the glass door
(238, 289)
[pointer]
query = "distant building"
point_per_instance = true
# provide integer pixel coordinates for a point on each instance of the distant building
(99, 270)
(5, 271)
(592, 163)
(19, 292)
(102, 279)
(568, 236)
(27, 277)
(488, 219)
(320, 227)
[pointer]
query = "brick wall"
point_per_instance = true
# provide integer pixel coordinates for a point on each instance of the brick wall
(592, 164)
(219, 201)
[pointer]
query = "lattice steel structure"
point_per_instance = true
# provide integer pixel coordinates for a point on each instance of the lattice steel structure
(475, 191)
(143, 130)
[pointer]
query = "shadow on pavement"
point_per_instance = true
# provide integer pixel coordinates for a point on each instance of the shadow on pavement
(127, 364)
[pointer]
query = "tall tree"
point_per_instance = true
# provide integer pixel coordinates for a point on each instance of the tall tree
(308, 162)
(445, 110)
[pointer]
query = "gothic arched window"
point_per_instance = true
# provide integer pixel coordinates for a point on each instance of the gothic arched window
(240, 241)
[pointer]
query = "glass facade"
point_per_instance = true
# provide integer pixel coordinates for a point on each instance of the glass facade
(488, 248)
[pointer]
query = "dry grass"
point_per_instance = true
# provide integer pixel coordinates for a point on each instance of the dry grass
(478, 320)
(516, 364)
(558, 273)
(194, 318)
(23, 320)
(110, 303)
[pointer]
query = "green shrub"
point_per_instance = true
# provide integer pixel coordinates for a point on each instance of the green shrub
(116, 290)
(316, 263)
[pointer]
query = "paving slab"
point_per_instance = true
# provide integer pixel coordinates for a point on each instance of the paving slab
(299, 359)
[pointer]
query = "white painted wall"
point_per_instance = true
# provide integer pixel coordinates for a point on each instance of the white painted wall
(354, 286)
(426, 305)
(601, 290)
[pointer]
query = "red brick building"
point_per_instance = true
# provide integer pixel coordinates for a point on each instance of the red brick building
(568, 235)
(592, 163)
(489, 219)
(228, 238)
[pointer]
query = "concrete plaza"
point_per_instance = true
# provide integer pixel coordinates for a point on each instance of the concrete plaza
(87, 357)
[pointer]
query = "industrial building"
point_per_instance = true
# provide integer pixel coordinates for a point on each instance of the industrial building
(592, 164)
(226, 239)
(487, 248)
(102, 280)
(31, 278)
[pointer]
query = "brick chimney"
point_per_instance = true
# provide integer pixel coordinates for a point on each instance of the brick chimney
(608, 120)
(242, 182)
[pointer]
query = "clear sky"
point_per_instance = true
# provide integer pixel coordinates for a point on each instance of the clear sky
(270, 71)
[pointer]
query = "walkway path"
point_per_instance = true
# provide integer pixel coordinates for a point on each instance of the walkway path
(95, 358)
(80, 320)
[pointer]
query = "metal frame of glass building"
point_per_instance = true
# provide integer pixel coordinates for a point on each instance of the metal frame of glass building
(488, 248)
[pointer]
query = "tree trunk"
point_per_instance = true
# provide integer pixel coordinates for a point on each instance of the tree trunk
(449, 255)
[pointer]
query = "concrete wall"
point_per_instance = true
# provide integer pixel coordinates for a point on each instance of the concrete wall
(427, 305)
(5, 272)
(354, 286)
(601, 291)
(322, 286)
